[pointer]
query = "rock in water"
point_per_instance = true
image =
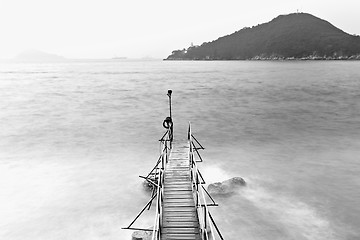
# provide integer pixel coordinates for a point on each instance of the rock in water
(141, 235)
(147, 186)
(226, 187)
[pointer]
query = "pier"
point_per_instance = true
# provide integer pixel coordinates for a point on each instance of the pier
(178, 193)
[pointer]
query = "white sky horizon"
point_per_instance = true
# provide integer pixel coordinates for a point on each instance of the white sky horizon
(94, 29)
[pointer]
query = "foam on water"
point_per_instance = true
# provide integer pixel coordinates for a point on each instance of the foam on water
(298, 219)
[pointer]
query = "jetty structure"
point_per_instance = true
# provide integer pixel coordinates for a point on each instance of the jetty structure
(178, 193)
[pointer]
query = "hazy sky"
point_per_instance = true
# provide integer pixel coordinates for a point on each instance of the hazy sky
(145, 28)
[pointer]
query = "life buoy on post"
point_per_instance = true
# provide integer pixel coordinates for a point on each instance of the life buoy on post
(167, 123)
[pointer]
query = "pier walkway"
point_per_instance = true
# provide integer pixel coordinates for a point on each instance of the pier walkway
(181, 200)
(180, 220)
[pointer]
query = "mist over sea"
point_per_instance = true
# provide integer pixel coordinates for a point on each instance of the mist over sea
(74, 137)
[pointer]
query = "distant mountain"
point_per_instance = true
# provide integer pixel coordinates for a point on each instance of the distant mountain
(38, 56)
(297, 35)
(119, 58)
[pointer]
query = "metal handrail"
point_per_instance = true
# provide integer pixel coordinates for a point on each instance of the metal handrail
(206, 222)
(165, 146)
(156, 178)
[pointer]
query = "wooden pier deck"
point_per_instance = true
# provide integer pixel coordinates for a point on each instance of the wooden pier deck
(180, 219)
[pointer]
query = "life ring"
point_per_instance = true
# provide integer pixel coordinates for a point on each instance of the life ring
(167, 123)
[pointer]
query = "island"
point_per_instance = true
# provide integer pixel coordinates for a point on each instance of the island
(286, 37)
(38, 56)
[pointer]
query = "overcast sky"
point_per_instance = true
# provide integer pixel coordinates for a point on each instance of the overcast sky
(145, 28)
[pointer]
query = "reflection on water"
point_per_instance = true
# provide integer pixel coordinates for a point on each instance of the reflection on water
(75, 136)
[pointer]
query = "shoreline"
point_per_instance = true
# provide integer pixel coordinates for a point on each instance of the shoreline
(258, 58)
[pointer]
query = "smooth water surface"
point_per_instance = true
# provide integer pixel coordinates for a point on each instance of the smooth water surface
(75, 137)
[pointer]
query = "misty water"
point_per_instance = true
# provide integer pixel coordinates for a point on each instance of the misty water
(75, 137)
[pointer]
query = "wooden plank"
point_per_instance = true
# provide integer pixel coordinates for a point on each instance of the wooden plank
(174, 218)
(179, 179)
(176, 173)
(180, 220)
(183, 236)
(169, 182)
(178, 168)
(178, 188)
(180, 224)
(180, 202)
(175, 199)
(181, 217)
(174, 192)
(178, 205)
(180, 193)
(173, 208)
(180, 230)
(179, 236)
(175, 185)
(170, 176)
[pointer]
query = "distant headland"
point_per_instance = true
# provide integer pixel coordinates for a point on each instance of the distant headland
(38, 56)
(287, 37)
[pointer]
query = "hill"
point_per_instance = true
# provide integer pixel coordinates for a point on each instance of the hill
(297, 35)
(38, 56)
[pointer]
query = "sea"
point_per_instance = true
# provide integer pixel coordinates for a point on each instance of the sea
(75, 137)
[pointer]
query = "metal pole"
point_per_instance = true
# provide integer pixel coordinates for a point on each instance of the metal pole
(169, 94)
(171, 135)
